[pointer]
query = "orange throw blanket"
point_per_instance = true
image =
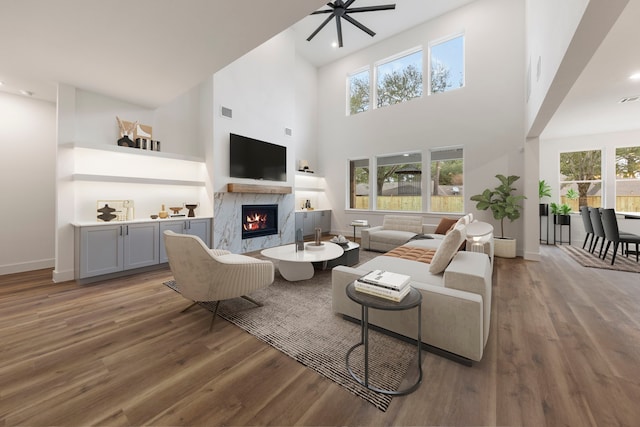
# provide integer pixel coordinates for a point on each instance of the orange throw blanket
(413, 254)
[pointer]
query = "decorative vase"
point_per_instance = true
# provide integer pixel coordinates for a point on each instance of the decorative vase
(163, 213)
(125, 141)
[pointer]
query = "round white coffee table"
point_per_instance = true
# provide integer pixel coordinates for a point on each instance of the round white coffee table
(297, 265)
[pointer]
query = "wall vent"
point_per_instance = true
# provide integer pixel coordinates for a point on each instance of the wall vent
(288, 131)
(629, 99)
(226, 112)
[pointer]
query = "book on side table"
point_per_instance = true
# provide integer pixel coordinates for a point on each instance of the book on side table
(384, 284)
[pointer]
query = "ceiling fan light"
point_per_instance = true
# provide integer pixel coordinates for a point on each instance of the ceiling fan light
(635, 76)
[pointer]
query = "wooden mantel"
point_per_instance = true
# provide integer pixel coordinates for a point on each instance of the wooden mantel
(260, 189)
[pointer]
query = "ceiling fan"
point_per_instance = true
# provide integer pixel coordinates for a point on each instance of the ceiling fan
(340, 9)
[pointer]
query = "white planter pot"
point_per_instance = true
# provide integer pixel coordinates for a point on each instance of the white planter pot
(504, 247)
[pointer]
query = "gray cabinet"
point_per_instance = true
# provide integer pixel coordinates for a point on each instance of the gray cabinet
(112, 248)
(115, 248)
(196, 227)
(310, 220)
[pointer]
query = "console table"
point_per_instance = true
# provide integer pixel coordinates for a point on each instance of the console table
(366, 301)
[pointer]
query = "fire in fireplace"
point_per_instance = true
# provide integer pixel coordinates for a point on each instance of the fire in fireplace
(259, 220)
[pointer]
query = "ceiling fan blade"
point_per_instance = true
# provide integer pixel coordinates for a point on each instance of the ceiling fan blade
(359, 25)
(326, 21)
(348, 3)
(317, 12)
(339, 26)
(371, 8)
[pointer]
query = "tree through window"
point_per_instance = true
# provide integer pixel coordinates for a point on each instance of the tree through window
(447, 65)
(399, 80)
(581, 174)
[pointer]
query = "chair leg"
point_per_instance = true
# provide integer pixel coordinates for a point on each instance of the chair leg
(585, 241)
(215, 312)
(606, 250)
(252, 300)
(186, 309)
(594, 244)
(615, 252)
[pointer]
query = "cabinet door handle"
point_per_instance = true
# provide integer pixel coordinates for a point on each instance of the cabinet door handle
(127, 231)
(188, 225)
(121, 230)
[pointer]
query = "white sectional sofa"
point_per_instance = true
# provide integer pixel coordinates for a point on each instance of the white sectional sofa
(456, 302)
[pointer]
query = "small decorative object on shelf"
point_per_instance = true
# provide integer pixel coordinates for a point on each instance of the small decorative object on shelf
(122, 209)
(163, 214)
(192, 207)
(304, 166)
(106, 213)
(127, 131)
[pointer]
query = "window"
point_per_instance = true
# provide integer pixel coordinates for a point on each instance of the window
(447, 64)
(447, 184)
(359, 84)
(359, 193)
(399, 79)
(581, 179)
(628, 179)
(398, 182)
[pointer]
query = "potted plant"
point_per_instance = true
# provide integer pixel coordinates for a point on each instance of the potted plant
(544, 190)
(503, 204)
(562, 214)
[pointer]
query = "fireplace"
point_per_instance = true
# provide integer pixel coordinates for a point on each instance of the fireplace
(259, 220)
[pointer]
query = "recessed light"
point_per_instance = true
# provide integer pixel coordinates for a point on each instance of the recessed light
(1, 83)
(26, 92)
(334, 45)
(635, 76)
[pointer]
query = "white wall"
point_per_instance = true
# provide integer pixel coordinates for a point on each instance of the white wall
(27, 183)
(486, 117)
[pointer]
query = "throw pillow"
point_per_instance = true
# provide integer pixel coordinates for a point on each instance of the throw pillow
(447, 249)
(445, 225)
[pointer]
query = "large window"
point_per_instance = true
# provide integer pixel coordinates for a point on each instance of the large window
(359, 193)
(359, 84)
(446, 60)
(628, 179)
(398, 182)
(447, 183)
(581, 179)
(399, 79)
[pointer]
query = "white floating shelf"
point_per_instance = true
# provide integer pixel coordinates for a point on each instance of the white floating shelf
(135, 180)
(134, 151)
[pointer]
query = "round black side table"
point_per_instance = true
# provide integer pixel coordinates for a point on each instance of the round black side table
(366, 301)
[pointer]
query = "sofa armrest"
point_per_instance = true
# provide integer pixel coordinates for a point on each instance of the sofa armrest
(365, 243)
(471, 272)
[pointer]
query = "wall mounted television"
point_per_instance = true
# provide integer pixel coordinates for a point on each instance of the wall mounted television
(255, 159)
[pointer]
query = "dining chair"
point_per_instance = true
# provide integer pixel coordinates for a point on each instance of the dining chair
(588, 227)
(613, 235)
(598, 230)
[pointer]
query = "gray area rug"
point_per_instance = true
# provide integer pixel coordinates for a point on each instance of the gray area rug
(296, 318)
(587, 259)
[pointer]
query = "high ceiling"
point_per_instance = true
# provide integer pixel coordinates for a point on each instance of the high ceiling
(592, 105)
(150, 51)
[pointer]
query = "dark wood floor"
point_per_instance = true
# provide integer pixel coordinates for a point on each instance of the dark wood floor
(564, 349)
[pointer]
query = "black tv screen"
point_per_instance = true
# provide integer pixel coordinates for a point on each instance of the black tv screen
(255, 159)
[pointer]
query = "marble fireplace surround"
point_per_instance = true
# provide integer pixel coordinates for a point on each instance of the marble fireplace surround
(227, 221)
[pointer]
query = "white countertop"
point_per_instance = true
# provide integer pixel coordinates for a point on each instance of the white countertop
(136, 221)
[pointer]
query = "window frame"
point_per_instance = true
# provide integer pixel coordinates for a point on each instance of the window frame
(437, 42)
(430, 191)
(602, 180)
(348, 174)
(397, 56)
(348, 90)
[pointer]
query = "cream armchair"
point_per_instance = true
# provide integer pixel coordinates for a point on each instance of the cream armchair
(213, 275)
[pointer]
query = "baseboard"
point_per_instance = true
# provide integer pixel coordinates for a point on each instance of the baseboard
(426, 347)
(63, 276)
(26, 266)
(532, 256)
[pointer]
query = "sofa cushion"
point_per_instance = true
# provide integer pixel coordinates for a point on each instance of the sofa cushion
(412, 253)
(447, 249)
(410, 223)
(445, 225)
(391, 237)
